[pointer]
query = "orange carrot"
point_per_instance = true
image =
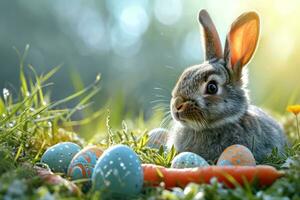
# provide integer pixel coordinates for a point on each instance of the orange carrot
(263, 174)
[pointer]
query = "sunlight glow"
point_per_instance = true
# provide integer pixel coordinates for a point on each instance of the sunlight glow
(282, 44)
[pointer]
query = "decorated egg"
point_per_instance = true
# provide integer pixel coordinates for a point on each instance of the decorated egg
(157, 138)
(83, 163)
(236, 155)
(118, 172)
(54, 179)
(59, 156)
(188, 160)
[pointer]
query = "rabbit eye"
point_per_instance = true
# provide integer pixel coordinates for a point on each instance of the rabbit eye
(211, 87)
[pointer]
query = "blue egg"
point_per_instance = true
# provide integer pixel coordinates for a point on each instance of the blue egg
(59, 156)
(158, 137)
(188, 160)
(118, 172)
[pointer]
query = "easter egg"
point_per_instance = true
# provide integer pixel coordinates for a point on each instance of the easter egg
(236, 155)
(59, 156)
(188, 160)
(157, 138)
(118, 172)
(54, 179)
(83, 163)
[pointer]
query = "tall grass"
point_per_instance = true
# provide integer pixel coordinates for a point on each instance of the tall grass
(30, 122)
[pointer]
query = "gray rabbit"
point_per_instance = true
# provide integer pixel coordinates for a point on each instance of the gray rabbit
(210, 105)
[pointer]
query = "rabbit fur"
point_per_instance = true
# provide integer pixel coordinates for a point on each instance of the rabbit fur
(206, 123)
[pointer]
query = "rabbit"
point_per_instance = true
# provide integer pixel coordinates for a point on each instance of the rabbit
(210, 103)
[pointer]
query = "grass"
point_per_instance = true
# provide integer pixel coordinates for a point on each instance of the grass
(30, 122)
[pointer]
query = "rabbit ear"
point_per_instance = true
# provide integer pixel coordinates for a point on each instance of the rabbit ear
(241, 42)
(212, 43)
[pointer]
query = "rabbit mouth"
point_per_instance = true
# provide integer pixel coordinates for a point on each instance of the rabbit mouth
(192, 118)
(188, 113)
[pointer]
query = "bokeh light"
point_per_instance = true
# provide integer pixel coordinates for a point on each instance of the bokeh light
(168, 12)
(138, 45)
(134, 20)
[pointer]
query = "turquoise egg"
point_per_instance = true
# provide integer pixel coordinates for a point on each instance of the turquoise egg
(157, 137)
(118, 172)
(188, 160)
(59, 156)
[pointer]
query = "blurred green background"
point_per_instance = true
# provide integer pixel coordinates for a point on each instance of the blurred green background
(140, 47)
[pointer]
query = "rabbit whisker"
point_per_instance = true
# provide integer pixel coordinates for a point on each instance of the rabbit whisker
(159, 100)
(166, 120)
(160, 107)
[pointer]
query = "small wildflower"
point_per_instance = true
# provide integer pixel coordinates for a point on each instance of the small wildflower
(294, 109)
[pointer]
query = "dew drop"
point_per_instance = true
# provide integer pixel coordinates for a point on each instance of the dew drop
(10, 124)
(5, 93)
(49, 124)
(98, 77)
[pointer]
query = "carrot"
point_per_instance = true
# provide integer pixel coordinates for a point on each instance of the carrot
(229, 175)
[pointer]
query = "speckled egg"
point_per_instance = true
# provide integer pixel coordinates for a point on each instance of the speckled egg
(157, 138)
(236, 155)
(83, 163)
(118, 172)
(59, 156)
(188, 160)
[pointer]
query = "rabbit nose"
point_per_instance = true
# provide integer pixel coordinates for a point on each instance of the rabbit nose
(180, 104)
(181, 107)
